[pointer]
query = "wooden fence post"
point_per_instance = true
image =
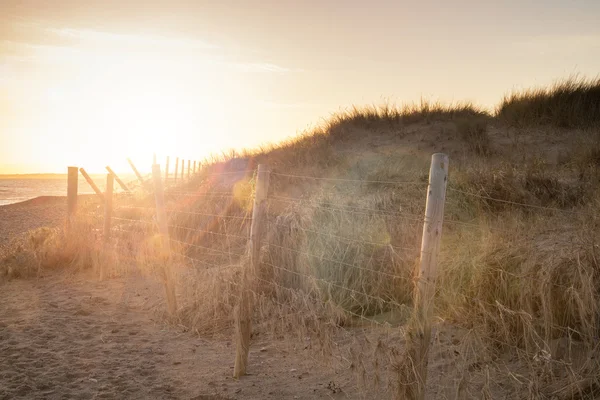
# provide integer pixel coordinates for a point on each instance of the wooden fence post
(189, 169)
(426, 276)
(161, 218)
(137, 173)
(176, 169)
(72, 181)
(119, 181)
(182, 169)
(167, 173)
(90, 181)
(194, 167)
(244, 310)
(108, 204)
(108, 211)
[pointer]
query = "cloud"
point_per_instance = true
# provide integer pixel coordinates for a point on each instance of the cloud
(132, 40)
(37, 41)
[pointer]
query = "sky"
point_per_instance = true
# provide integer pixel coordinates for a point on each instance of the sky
(92, 82)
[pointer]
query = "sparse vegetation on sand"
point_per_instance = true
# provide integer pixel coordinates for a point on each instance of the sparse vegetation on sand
(518, 300)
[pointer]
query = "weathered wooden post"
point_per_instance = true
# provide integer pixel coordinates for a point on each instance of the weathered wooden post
(426, 277)
(176, 169)
(161, 218)
(72, 181)
(92, 184)
(182, 169)
(244, 310)
(108, 206)
(108, 212)
(167, 173)
(189, 169)
(194, 167)
(137, 173)
(119, 181)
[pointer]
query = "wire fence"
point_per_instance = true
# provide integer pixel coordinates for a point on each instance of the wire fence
(197, 233)
(357, 254)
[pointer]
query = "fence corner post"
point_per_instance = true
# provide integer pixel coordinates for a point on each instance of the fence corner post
(425, 277)
(161, 217)
(244, 310)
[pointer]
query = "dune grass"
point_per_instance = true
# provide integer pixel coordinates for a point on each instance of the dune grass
(518, 279)
(569, 103)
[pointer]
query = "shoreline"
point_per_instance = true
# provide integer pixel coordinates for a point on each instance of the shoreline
(43, 201)
(43, 211)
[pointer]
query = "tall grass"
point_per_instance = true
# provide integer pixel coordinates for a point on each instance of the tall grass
(569, 103)
(517, 279)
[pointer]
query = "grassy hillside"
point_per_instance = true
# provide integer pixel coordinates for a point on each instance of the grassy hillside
(518, 271)
(519, 265)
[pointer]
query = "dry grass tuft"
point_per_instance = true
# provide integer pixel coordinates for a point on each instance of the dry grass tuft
(47, 249)
(570, 103)
(473, 131)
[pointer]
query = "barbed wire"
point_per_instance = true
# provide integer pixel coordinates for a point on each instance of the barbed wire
(208, 194)
(209, 232)
(196, 260)
(364, 211)
(207, 248)
(340, 262)
(513, 202)
(153, 209)
(345, 238)
(327, 204)
(350, 180)
(208, 215)
(134, 220)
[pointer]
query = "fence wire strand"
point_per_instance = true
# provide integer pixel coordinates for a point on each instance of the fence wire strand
(338, 262)
(349, 180)
(514, 202)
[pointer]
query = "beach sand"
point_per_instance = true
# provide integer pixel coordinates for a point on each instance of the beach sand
(19, 218)
(65, 335)
(44, 211)
(71, 337)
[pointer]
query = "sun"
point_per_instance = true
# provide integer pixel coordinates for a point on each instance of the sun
(134, 106)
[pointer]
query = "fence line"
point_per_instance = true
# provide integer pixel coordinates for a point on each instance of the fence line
(175, 207)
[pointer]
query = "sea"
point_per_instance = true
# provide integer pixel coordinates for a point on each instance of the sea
(15, 190)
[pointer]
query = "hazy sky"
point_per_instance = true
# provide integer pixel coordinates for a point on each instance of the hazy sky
(90, 82)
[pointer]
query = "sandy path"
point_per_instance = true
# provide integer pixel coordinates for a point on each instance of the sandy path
(68, 338)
